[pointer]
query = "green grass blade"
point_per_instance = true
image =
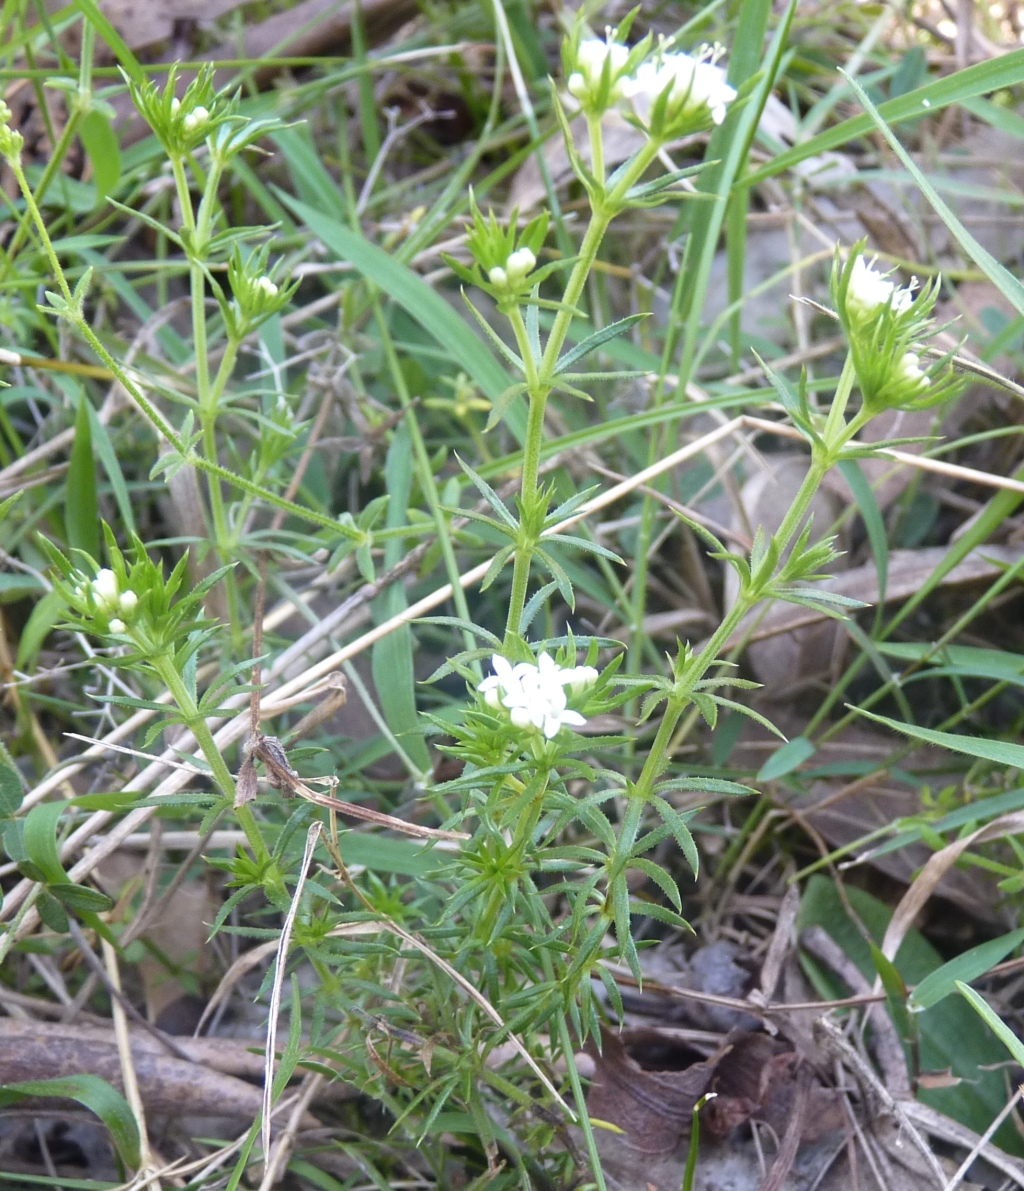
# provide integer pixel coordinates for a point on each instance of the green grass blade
(81, 511)
(1005, 71)
(96, 1095)
(966, 967)
(1001, 277)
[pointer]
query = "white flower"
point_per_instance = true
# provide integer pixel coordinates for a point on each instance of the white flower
(497, 276)
(266, 287)
(117, 626)
(128, 602)
(696, 86)
(591, 57)
(105, 590)
(175, 105)
(870, 290)
(534, 695)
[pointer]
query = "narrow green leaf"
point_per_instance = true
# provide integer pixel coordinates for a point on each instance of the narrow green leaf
(980, 79)
(677, 825)
(872, 516)
(965, 661)
(989, 1016)
(11, 792)
(965, 967)
(40, 841)
(104, 449)
(950, 1035)
(81, 509)
(594, 341)
(104, 153)
(96, 1095)
(787, 758)
(1002, 752)
(895, 991)
(113, 39)
(80, 898)
(391, 658)
(998, 274)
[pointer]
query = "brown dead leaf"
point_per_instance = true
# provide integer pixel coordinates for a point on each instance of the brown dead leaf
(757, 1078)
(654, 1108)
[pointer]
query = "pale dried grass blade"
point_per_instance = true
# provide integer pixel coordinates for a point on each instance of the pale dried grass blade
(936, 867)
(312, 835)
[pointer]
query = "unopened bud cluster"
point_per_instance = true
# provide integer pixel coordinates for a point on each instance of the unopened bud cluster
(255, 294)
(191, 121)
(179, 124)
(514, 271)
(11, 141)
(504, 258)
(103, 599)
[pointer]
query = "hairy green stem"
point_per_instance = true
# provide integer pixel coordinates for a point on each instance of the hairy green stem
(543, 374)
(196, 723)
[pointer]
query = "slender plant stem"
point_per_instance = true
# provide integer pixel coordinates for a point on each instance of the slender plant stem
(196, 723)
(540, 377)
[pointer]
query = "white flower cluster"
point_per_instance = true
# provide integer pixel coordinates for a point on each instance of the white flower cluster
(870, 290)
(519, 264)
(694, 83)
(104, 595)
(535, 695)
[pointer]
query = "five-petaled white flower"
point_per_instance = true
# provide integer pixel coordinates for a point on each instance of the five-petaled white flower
(534, 695)
(696, 86)
(869, 290)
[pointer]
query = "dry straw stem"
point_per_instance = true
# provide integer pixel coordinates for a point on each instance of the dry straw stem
(298, 689)
(981, 1146)
(312, 835)
(128, 1076)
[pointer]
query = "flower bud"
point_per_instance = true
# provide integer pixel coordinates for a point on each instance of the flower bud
(266, 287)
(117, 626)
(195, 119)
(909, 369)
(519, 263)
(128, 602)
(582, 678)
(105, 589)
(497, 276)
